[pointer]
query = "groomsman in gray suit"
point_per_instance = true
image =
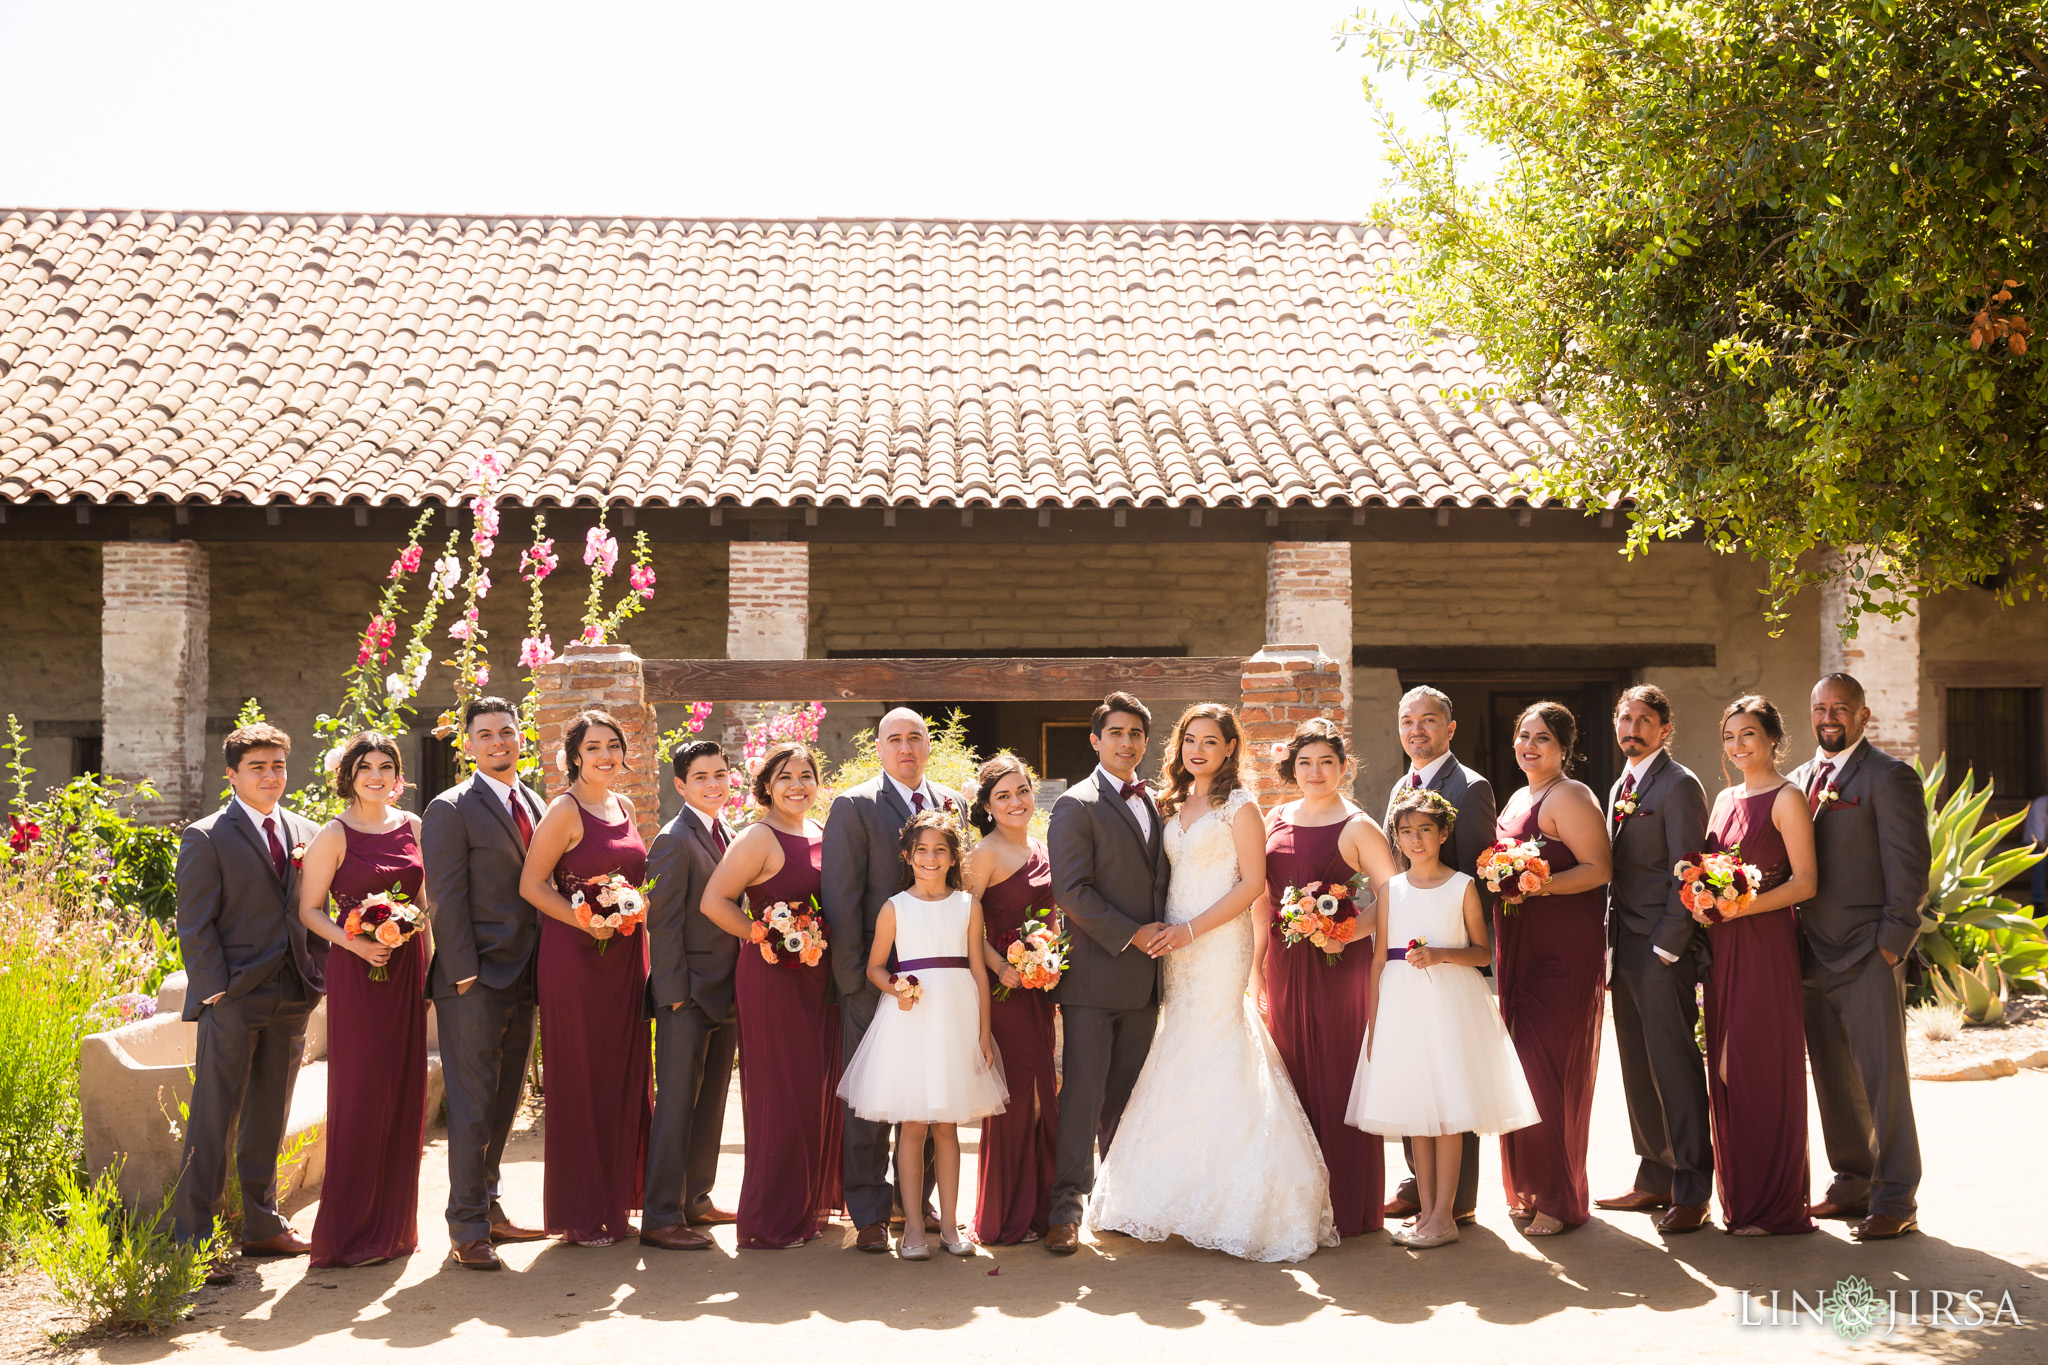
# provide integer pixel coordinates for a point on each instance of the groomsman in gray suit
(473, 838)
(863, 867)
(1107, 844)
(690, 999)
(1870, 842)
(1657, 813)
(253, 976)
(1426, 731)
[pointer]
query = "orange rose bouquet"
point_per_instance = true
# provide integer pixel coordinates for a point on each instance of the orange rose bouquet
(390, 917)
(1323, 916)
(1514, 870)
(611, 901)
(1039, 953)
(789, 935)
(1716, 885)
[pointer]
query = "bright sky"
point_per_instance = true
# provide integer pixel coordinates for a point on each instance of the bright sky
(1048, 108)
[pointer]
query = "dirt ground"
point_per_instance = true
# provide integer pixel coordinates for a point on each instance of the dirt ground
(1612, 1290)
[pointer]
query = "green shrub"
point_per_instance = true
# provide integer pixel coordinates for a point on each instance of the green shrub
(114, 1271)
(953, 762)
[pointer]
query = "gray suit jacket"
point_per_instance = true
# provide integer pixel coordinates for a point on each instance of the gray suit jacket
(1872, 852)
(1472, 797)
(237, 919)
(1107, 879)
(862, 869)
(689, 957)
(483, 927)
(1670, 821)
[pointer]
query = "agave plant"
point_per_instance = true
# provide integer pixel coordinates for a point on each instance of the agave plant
(1963, 901)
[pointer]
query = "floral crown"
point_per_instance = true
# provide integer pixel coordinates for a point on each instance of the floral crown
(1428, 802)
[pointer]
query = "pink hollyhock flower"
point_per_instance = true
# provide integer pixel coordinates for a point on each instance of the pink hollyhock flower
(600, 551)
(409, 562)
(483, 583)
(642, 579)
(536, 651)
(487, 464)
(483, 675)
(485, 537)
(538, 561)
(592, 635)
(465, 628)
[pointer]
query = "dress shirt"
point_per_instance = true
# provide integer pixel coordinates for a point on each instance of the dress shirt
(1139, 805)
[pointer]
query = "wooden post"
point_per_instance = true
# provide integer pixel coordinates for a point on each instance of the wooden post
(603, 678)
(1285, 685)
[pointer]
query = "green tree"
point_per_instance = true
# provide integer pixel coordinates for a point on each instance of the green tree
(1773, 257)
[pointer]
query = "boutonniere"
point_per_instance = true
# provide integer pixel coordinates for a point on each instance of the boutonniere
(1625, 808)
(298, 855)
(1831, 796)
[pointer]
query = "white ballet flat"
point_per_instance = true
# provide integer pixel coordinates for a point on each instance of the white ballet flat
(917, 1253)
(957, 1248)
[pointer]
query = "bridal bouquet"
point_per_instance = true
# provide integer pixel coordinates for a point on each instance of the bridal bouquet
(1039, 953)
(1716, 885)
(610, 902)
(1325, 916)
(387, 916)
(798, 929)
(1514, 870)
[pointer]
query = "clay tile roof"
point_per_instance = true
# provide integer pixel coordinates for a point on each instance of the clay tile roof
(228, 357)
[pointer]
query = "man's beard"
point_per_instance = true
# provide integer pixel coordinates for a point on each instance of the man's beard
(1633, 746)
(1835, 745)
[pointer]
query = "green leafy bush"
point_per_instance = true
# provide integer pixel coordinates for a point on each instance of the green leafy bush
(953, 763)
(114, 1271)
(1974, 942)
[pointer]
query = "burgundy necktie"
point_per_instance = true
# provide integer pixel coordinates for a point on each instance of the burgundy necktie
(718, 835)
(1820, 784)
(278, 859)
(522, 819)
(1415, 779)
(917, 803)
(1628, 784)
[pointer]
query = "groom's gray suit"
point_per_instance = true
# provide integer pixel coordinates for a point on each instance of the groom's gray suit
(1109, 879)
(863, 868)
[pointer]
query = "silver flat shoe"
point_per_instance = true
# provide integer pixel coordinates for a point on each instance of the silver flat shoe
(916, 1253)
(964, 1249)
(1425, 1243)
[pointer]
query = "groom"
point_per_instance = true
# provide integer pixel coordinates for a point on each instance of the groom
(1109, 873)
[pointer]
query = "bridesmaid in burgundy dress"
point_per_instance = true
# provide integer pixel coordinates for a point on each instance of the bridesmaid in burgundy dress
(596, 1060)
(377, 1030)
(1317, 1012)
(1551, 973)
(1010, 873)
(1756, 1034)
(789, 1022)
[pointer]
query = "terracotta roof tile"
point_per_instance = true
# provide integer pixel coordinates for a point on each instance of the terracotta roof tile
(339, 359)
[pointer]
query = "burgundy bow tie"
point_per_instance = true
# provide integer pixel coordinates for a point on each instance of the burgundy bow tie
(1131, 789)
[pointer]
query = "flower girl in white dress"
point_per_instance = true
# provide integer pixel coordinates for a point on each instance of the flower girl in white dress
(1438, 1062)
(930, 1063)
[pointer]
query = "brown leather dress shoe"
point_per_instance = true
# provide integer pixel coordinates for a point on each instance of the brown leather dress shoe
(221, 1272)
(284, 1244)
(1465, 1219)
(509, 1231)
(1635, 1201)
(1828, 1208)
(1683, 1218)
(1880, 1228)
(708, 1215)
(477, 1255)
(873, 1239)
(1064, 1239)
(1400, 1208)
(675, 1237)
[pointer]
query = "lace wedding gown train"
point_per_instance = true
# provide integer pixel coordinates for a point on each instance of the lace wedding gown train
(1214, 1146)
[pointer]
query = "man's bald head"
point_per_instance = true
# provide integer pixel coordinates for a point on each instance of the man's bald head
(903, 743)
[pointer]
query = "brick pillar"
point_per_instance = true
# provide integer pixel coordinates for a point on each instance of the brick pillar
(1885, 657)
(768, 614)
(153, 669)
(603, 678)
(1285, 685)
(1308, 597)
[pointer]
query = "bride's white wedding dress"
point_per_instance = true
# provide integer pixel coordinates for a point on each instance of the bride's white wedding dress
(1214, 1146)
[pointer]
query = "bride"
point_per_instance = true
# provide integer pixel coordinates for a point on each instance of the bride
(1213, 1146)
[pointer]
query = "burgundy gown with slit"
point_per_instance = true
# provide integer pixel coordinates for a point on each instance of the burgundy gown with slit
(1017, 1159)
(1756, 1036)
(1317, 1013)
(789, 1071)
(1550, 975)
(596, 1058)
(376, 1070)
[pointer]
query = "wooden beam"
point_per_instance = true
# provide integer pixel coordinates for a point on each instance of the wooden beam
(1505, 659)
(936, 680)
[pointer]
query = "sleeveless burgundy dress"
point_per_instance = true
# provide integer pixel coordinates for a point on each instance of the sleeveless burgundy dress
(596, 1060)
(1756, 1036)
(376, 1070)
(1016, 1164)
(789, 1071)
(1552, 957)
(1317, 1013)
